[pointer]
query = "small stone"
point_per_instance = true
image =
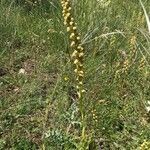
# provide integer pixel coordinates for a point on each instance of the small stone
(22, 71)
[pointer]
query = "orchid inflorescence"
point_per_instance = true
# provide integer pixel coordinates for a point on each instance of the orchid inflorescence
(75, 44)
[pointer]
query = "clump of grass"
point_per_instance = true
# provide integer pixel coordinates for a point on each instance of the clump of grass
(146, 15)
(116, 43)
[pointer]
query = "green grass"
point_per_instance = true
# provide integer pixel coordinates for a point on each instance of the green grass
(117, 82)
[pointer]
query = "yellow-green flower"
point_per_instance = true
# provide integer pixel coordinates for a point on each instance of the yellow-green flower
(75, 44)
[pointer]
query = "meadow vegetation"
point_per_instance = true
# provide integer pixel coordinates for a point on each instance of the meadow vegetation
(40, 106)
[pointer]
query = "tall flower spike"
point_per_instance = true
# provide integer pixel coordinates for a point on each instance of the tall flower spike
(75, 43)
